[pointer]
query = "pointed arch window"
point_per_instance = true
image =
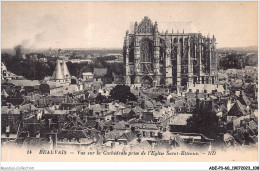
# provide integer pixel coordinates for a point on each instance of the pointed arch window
(146, 52)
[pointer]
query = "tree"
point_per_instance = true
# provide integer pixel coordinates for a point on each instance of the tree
(44, 88)
(100, 98)
(122, 93)
(205, 122)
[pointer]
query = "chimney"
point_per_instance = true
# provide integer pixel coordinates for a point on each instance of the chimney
(7, 131)
(160, 135)
(49, 123)
(139, 138)
(197, 92)
(111, 128)
(133, 129)
(51, 141)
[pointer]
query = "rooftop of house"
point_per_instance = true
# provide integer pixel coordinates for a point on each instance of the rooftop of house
(96, 107)
(4, 93)
(7, 110)
(199, 136)
(180, 119)
(24, 83)
(87, 74)
(72, 134)
(244, 99)
(120, 125)
(208, 87)
(144, 126)
(252, 125)
(112, 135)
(110, 86)
(56, 112)
(237, 109)
(142, 145)
(129, 136)
(228, 137)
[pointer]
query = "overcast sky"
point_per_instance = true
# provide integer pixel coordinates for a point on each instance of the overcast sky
(103, 24)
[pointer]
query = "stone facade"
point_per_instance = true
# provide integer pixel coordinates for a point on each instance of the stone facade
(172, 59)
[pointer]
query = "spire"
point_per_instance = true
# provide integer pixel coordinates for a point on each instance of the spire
(58, 74)
(136, 27)
(65, 70)
(126, 34)
(155, 27)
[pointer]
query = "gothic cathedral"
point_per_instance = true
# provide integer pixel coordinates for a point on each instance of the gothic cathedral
(154, 58)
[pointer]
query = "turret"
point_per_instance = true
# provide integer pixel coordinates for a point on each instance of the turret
(58, 75)
(136, 28)
(155, 28)
(65, 71)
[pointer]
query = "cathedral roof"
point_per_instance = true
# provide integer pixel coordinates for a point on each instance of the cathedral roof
(187, 27)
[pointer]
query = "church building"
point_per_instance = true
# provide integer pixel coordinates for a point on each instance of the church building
(178, 59)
